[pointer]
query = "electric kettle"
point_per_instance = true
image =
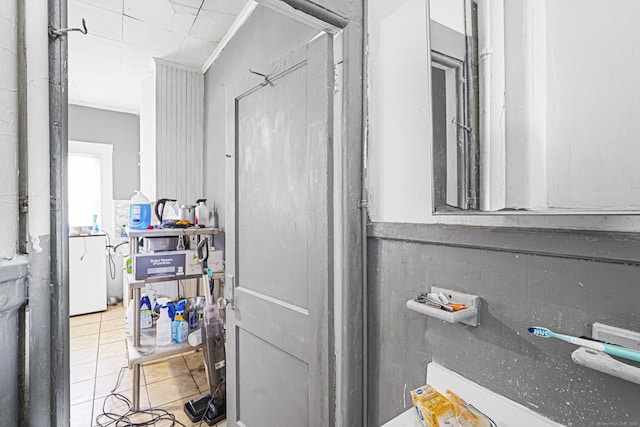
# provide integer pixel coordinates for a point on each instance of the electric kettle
(167, 210)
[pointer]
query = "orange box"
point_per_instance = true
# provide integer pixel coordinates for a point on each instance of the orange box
(433, 409)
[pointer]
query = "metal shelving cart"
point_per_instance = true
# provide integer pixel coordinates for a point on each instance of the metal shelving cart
(135, 354)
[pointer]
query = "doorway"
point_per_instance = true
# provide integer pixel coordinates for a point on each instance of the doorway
(281, 267)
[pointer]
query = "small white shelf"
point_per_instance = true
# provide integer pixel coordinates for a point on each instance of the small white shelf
(469, 316)
(604, 363)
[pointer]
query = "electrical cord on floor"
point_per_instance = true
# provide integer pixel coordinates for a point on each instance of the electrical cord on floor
(155, 414)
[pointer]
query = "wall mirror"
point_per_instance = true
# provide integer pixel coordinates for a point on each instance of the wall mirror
(536, 106)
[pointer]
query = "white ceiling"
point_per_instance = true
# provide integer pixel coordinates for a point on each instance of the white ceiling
(107, 65)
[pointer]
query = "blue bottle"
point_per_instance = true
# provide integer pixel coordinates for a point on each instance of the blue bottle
(95, 228)
(139, 212)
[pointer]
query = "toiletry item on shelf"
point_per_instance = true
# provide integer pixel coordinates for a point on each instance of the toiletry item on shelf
(146, 321)
(179, 328)
(611, 349)
(439, 301)
(163, 327)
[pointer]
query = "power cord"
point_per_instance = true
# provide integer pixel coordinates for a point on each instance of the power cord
(109, 418)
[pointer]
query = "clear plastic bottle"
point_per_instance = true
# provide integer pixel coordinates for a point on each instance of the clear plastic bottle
(163, 327)
(202, 213)
(146, 320)
(95, 228)
(139, 212)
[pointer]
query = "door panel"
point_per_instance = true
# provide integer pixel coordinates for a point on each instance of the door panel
(277, 396)
(273, 165)
(281, 235)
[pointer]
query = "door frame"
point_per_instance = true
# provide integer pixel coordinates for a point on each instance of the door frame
(348, 406)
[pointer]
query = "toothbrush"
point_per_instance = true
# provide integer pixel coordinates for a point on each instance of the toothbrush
(611, 349)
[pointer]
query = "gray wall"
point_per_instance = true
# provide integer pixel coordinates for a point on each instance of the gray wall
(564, 280)
(122, 130)
(266, 36)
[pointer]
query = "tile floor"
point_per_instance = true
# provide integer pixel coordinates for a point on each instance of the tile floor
(98, 353)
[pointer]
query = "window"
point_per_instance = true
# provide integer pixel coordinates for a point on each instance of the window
(84, 189)
(90, 180)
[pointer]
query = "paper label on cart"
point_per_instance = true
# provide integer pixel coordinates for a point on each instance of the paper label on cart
(219, 364)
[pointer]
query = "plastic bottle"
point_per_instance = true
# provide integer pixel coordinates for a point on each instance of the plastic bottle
(179, 328)
(163, 327)
(202, 213)
(214, 222)
(146, 321)
(95, 228)
(139, 212)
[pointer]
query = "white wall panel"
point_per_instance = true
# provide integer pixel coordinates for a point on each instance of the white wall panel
(179, 127)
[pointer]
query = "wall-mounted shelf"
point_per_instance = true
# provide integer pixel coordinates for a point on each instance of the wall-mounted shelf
(604, 363)
(468, 316)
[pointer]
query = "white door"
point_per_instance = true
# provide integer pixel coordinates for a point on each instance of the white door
(280, 231)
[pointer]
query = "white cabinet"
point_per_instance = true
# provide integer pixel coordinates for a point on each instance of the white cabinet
(87, 274)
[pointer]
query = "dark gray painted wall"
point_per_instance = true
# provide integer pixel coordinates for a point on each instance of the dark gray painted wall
(266, 36)
(564, 280)
(122, 130)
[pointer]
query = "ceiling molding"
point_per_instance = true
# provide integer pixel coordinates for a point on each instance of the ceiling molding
(237, 24)
(103, 107)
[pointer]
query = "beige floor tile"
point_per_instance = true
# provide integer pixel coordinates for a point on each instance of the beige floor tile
(106, 383)
(200, 377)
(112, 336)
(80, 330)
(112, 324)
(81, 414)
(114, 312)
(82, 391)
(169, 390)
(176, 408)
(85, 319)
(84, 341)
(111, 365)
(83, 371)
(117, 348)
(194, 360)
(158, 371)
(80, 357)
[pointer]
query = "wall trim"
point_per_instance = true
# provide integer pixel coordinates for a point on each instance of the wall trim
(600, 246)
(245, 13)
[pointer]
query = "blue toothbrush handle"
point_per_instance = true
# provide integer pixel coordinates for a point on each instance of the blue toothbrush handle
(613, 350)
(626, 353)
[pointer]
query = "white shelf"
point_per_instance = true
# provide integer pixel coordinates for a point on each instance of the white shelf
(604, 363)
(138, 355)
(133, 283)
(469, 316)
(169, 232)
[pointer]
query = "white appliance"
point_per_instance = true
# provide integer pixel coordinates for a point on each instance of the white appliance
(87, 274)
